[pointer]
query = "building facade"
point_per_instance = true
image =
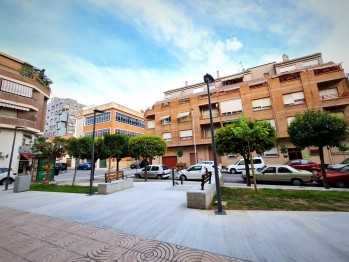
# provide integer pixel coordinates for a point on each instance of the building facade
(24, 92)
(115, 119)
(60, 117)
(275, 92)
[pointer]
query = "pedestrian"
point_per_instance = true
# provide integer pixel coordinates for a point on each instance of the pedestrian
(27, 169)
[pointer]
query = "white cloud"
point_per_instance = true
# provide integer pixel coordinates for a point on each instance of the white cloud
(233, 45)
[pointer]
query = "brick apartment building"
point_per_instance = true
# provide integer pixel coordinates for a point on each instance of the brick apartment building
(23, 100)
(115, 119)
(275, 92)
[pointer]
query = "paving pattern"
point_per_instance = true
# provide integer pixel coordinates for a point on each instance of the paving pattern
(27, 236)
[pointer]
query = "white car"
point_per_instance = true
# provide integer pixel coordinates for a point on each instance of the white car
(195, 172)
(209, 162)
(3, 175)
(155, 171)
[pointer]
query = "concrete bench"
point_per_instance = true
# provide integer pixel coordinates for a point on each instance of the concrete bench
(201, 199)
(114, 186)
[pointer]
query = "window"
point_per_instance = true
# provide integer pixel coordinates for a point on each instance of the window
(167, 137)
(100, 118)
(270, 170)
(186, 134)
(330, 93)
(165, 120)
(271, 152)
(287, 68)
(184, 117)
(230, 107)
(126, 132)
(293, 98)
(15, 88)
(151, 123)
(129, 120)
(289, 120)
(284, 170)
(262, 103)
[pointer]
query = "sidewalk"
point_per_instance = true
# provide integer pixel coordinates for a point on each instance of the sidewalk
(156, 212)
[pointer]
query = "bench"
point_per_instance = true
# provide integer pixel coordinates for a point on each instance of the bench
(205, 178)
(114, 175)
(199, 198)
(114, 182)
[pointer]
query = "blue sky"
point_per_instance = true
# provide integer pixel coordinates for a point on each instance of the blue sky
(131, 51)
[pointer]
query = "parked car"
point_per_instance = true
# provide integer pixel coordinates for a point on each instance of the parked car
(239, 166)
(195, 172)
(139, 164)
(339, 166)
(283, 173)
(335, 178)
(85, 166)
(305, 164)
(209, 162)
(3, 175)
(60, 167)
(155, 171)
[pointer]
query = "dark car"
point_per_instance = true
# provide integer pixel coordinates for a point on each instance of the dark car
(342, 164)
(335, 178)
(304, 164)
(60, 167)
(139, 164)
(85, 166)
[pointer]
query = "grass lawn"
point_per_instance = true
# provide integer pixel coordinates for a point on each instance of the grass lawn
(62, 188)
(279, 199)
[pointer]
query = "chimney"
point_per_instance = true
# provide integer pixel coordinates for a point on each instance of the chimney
(285, 58)
(217, 74)
(186, 83)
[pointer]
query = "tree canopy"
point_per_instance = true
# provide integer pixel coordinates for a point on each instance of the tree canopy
(318, 128)
(244, 136)
(147, 147)
(116, 145)
(51, 149)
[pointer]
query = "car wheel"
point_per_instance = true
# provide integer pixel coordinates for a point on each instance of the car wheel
(158, 176)
(232, 171)
(297, 182)
(340, 184)
(314, 172)
(183, 177)
(85, 168)
(3, 181)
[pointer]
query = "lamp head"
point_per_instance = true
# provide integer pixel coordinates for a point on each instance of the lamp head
(208, 78)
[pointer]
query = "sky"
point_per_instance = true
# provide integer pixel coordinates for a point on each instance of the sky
(131, 51)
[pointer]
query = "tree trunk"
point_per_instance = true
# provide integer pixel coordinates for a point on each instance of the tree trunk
(248, 180)
(77, 160)
(253, 173)
(48, 171)
(323, 170)
(145, 170)
(109, 165)
(117, 163)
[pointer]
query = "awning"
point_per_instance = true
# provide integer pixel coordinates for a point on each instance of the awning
(25, 155)
(184, 114)
(257, 82)
(164, 117)
(14, 106)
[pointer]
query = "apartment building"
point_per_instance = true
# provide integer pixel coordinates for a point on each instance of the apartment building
(115, 119)
(60, 117)
(24, 92)
(275, 92)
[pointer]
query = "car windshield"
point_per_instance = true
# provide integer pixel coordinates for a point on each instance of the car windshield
(346, 161)
(344, 170)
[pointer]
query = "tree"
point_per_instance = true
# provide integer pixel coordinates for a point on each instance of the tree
(147, 147)
(116, 146)
(74, 149)
(243, 137)
(318, 128)
(51, 150)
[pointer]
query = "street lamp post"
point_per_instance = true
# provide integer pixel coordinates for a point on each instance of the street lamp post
(10, 164)
(209, 79)
(93, 150)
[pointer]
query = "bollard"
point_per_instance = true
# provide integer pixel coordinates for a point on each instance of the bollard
(173, 182)
(181, 180)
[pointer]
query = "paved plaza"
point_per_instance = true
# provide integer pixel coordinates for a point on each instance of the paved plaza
(150, 222)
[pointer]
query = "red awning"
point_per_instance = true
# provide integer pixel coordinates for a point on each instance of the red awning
(25, 155)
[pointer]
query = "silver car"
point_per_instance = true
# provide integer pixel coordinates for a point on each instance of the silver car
(195, 172)
(155, 171)
(282, 173)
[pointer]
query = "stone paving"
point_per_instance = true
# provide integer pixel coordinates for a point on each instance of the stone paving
(27, 236)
